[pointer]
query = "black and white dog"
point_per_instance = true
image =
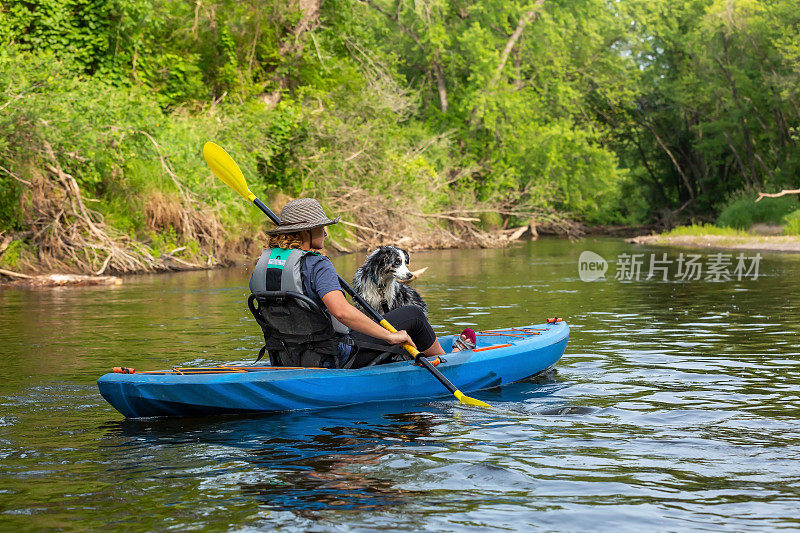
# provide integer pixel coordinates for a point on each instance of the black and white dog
(378, 280)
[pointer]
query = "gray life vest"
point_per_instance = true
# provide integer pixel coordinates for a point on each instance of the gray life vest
(279, 269)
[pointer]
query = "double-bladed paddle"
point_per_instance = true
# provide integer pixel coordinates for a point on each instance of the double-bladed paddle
(225, 168)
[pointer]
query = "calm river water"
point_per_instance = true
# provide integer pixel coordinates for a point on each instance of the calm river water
(675, 407)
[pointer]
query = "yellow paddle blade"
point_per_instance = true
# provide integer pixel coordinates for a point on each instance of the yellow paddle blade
(469, 401)
(225, 168)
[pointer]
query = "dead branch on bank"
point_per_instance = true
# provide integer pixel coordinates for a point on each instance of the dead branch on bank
(359, 226)
(539, 221)
(455, 228)
(777, 194)
(24, 182)
(50, 280)
(12, 274)
(71, 237)
(447, 217)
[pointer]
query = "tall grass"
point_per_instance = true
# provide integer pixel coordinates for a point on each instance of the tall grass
(742, 211)
(792, 223)
(706, 229)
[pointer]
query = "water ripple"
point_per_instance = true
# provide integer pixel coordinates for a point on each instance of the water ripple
(674, 408)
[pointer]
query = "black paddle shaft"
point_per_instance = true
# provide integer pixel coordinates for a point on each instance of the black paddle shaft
(420, 359)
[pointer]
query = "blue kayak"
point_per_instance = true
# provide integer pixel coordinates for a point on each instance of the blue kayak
(501, 356)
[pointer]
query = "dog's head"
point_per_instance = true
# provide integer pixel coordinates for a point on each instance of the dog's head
(388, 262)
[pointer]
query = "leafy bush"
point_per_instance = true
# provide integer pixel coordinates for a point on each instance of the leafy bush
(9, 202)
(792, 223)
(11, 256)
(742, 211)
(117, 142)
(491, 221)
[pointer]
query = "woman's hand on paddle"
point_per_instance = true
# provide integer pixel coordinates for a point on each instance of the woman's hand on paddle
(401, 337)
(355, 319)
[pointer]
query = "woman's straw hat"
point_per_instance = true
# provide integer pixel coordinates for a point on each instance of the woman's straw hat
(302, 214)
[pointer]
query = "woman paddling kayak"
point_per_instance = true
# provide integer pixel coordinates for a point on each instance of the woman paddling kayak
(280, 305)
(302, 227)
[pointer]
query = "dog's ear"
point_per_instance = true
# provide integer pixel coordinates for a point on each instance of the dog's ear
(408, 257)
(384, 260)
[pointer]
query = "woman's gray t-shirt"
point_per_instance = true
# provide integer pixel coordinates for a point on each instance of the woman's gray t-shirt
(319, 277)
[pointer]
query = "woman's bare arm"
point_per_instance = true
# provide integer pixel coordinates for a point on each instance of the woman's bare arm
(351, 317)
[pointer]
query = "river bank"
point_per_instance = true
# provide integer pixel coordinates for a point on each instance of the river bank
(770, 243)
(421, 237)
(37, 274)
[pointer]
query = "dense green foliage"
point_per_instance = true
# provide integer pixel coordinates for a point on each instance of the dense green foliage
(742, 211)
(611, 112)
(792, 223)
(718, 104)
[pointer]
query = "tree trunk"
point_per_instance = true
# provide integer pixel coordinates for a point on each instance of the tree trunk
(656, 182)
(524, 20)
(783, 128)
(685, 178)
(441, 85)
(738, 159)
(748, 136)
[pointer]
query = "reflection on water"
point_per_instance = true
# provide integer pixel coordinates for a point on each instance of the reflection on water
(293, 461)
(675, 407)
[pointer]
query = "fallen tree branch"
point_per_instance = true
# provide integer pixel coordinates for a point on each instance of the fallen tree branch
(346, 223)
(186, 193)
(12, 274)
(182, 262)
(777, 194)
(496, 210)
(26, 182)
(518, 233)
(446, 217)
(105, 265)
(46, 280)
(338, 247)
